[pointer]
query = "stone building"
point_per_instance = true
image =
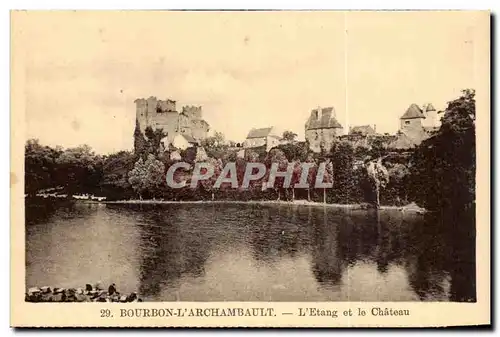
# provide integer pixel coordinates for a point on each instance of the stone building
(322, 128)
(416, 125)
(182, 142)
(411, 120)
(431, 120)
(162, 114)
(363, 130)
(267, 137)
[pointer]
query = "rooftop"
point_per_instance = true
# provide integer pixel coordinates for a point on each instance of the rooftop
(189, 139)
(322, 119)
(259, 133)
(362, 129)
(430, 107)
(412, 112)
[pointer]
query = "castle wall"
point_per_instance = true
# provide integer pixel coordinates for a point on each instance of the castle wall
(185, 125)
(329, 137)
(162, 114)
(141, 113)
(167, 106)
(319, 137)
(313, 137)
(199, 129)
(167, 122)
(193, 112)
(410, 125)
(431, 119)
(152, 102)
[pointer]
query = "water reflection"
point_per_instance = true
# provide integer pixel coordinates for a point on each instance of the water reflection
(242, 252)
(327, 265)
(169, 252)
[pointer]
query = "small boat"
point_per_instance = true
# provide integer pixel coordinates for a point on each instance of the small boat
(81, 196)
(97, 198)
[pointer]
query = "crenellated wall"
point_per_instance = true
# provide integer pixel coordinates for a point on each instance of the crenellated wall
(162, 114)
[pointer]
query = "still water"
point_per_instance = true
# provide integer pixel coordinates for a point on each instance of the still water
(246, 252)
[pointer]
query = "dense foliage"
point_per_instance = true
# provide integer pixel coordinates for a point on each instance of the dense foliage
(443, 167)
(438, 174)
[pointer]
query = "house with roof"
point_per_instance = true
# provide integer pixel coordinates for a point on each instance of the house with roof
(416, 124)
(411, 120)
(183, 141)
(322, 128)
(363, 130)
(361, 135)
(416, 118)
(268, 137)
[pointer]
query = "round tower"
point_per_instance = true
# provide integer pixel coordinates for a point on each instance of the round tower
(431, 118)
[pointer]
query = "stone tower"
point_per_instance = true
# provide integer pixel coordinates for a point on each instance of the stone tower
(412, 119)
(322, 128)
(163, 114)
(431, 117)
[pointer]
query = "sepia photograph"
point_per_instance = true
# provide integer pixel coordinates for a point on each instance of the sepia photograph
(315, 157)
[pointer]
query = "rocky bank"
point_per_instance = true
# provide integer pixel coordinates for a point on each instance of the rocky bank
(90, 293)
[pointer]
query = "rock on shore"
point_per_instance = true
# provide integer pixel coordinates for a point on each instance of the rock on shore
(88, 294)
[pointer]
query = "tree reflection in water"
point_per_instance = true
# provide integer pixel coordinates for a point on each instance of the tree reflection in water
(327, 265)
(167, 250)
(281, 231)
(199, 246)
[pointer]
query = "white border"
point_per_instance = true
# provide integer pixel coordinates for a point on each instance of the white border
(6, 6)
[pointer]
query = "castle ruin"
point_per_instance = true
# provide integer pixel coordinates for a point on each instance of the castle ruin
(162, 114)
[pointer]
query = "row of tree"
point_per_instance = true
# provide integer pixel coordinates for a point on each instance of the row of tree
(439, 173)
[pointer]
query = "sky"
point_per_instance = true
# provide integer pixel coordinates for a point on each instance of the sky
(83, 70)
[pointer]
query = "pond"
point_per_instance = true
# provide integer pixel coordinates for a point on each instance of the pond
(247, 252)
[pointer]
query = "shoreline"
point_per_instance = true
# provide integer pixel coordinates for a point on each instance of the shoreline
(88, 294)
(412, 208)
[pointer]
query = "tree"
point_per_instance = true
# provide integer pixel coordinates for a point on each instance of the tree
(443, 167)
(217, 140)
(78, 169)
(378, 147)
(397, 188)
(327, 177)
(342, 158)
(147, 176)
(297, 172)
(289, 136)
(39, 166)
(378, 176)
(115, 169)
(153, 141)
(361, 152)
(295, 151)
(189, 155)
(208, 184)
(215, 146)
(139, 140)
(311, 177)
(137, 177)
(251, 156)
(276, 156)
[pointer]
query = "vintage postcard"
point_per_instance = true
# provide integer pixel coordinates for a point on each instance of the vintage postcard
(250, 168)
